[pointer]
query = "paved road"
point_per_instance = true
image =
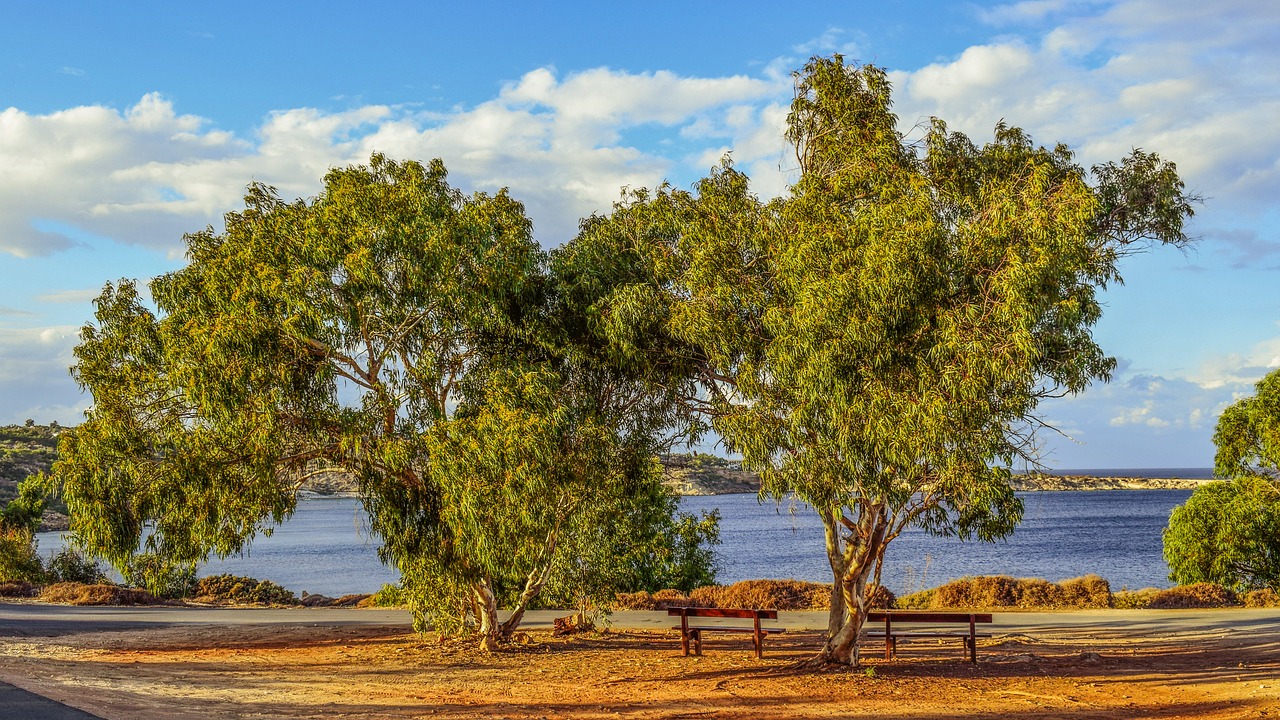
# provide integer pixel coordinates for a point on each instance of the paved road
(18, 704)
(30, 620)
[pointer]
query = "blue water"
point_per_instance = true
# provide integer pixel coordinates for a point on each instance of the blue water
(1115, 534)
(326, 548)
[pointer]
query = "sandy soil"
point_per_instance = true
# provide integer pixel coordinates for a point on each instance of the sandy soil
(297, 671)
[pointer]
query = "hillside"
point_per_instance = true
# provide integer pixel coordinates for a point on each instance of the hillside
(26, 450)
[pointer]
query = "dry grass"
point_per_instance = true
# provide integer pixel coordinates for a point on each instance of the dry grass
(1264, 598)
(1195, 595)
(73, 593)
(1001, 591)
(1133, 599)
(758, 594)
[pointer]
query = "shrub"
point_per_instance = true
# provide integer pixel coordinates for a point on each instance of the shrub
(70, 565)
(1264, 598)
(1134, 599)
(1195, 595)
(18, 589)
(1089, 591)
(73, 593)
(387, 596)
(633, 601)
(922, 600)
(757, 594)
(18, 557)
(1001, 591)
(663, 599)
(238, 590)
(160, 577)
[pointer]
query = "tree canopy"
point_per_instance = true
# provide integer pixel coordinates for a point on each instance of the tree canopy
(878, 340)
(391, 328)
(1229, 532)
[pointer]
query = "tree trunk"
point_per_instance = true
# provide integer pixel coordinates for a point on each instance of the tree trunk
(487, 612)
(533, 583)
(852, 563)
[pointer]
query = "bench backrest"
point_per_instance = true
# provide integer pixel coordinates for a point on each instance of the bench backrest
(925, 616)
(723, 612)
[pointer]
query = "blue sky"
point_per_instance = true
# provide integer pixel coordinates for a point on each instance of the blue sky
(122, 126)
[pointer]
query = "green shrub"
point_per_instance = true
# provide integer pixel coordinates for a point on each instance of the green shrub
(388, 596)
(19, 560)
(160, 577)
(238, 590)
(1195, 595)
(70, 565)
(922, 600)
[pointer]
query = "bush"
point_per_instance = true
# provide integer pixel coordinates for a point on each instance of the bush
(237, 590)
(758, 594)
(160, 577)
(18, 589)
(1134, 599)
(72, 593)
(387, 596)
(1195, 595)
(70, 565)
(19, 560)
(1264, 598)
(1089, 591)
(1000, 591)
(922, 600)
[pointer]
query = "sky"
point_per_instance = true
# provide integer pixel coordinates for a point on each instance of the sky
(125, 125)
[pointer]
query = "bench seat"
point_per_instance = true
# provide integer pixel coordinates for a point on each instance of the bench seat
(693, 633)
(894, 619)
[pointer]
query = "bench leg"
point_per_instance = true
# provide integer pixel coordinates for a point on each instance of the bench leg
(696, 636)
(684, 642)
(759, 638)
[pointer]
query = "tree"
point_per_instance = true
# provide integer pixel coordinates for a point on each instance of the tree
(878, 341)
(1229, 532)
(1248, 433)
(393, 329)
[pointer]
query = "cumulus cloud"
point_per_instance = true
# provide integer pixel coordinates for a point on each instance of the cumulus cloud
(1193, 81)
(147, 174)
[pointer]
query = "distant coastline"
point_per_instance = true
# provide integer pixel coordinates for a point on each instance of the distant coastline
(711, 475)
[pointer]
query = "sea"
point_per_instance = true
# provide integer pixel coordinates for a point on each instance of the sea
(326, 547)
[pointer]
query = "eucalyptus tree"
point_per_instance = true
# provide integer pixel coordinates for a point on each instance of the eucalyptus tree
(878, 340)
(392, 329)
(1229, 532)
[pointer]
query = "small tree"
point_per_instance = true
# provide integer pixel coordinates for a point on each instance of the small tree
(1229, 532)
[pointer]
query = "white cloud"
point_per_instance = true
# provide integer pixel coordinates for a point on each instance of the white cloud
(149, 173)
(1193, 81)
(33, 375)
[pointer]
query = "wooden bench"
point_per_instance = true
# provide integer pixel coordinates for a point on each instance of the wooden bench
(894, 619)
(693, 633)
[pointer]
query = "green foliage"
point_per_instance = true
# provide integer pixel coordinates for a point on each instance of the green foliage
(397, 331)
(71, 565)
(241, 591)
(1248, 433)
(389, 596)
(26, 509)
(161, 576)
(1228, 533)
(878, 341)
(19, 561)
